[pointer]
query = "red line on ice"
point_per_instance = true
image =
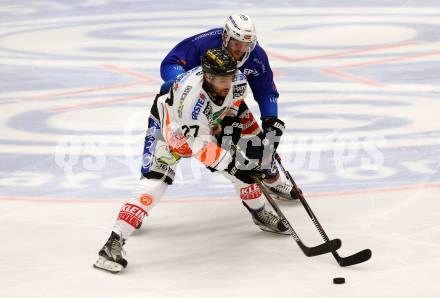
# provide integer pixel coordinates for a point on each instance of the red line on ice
(218, 199)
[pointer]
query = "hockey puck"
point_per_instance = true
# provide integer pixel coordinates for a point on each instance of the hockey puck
(339, 280)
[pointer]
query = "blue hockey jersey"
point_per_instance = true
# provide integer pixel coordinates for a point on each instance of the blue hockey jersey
(187, 55)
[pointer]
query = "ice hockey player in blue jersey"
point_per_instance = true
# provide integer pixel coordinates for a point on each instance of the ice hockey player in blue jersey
(239, 37)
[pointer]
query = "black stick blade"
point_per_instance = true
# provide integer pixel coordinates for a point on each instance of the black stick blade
(324, 248)
(357, 258)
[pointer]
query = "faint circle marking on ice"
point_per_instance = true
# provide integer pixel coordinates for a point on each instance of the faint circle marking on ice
(100, 119)
(367, 172)
(353, 35)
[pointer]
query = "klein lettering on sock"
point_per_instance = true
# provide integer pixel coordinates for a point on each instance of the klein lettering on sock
(250, 192)
(132, 214)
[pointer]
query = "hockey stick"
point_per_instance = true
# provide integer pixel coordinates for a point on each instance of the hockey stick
(328, 246)
(356, 258)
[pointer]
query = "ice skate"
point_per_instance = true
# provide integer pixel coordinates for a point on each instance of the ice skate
(279, 185)
(111, 256)
(267, 221)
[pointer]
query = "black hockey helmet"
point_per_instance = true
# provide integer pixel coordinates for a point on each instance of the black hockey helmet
(218, 61)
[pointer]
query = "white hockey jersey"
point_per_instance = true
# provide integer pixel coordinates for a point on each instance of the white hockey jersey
(190, 119)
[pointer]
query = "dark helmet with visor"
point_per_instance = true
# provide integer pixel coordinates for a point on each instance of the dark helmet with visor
(218, 61)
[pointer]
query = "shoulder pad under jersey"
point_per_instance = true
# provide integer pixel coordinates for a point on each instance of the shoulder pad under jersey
(195, 72)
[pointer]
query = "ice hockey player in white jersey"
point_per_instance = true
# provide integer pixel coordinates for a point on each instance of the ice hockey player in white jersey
(200, 117)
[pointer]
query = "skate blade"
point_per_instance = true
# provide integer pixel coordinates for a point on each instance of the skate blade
(265, 229)
(110, 266)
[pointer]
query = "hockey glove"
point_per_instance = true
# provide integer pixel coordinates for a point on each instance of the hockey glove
(244, 169)
(273, 129)
(231, 128)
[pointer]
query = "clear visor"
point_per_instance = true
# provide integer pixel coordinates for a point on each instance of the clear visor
(245, 46)
(241, 44)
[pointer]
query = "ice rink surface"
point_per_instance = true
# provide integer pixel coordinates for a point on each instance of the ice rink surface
(359, 91)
